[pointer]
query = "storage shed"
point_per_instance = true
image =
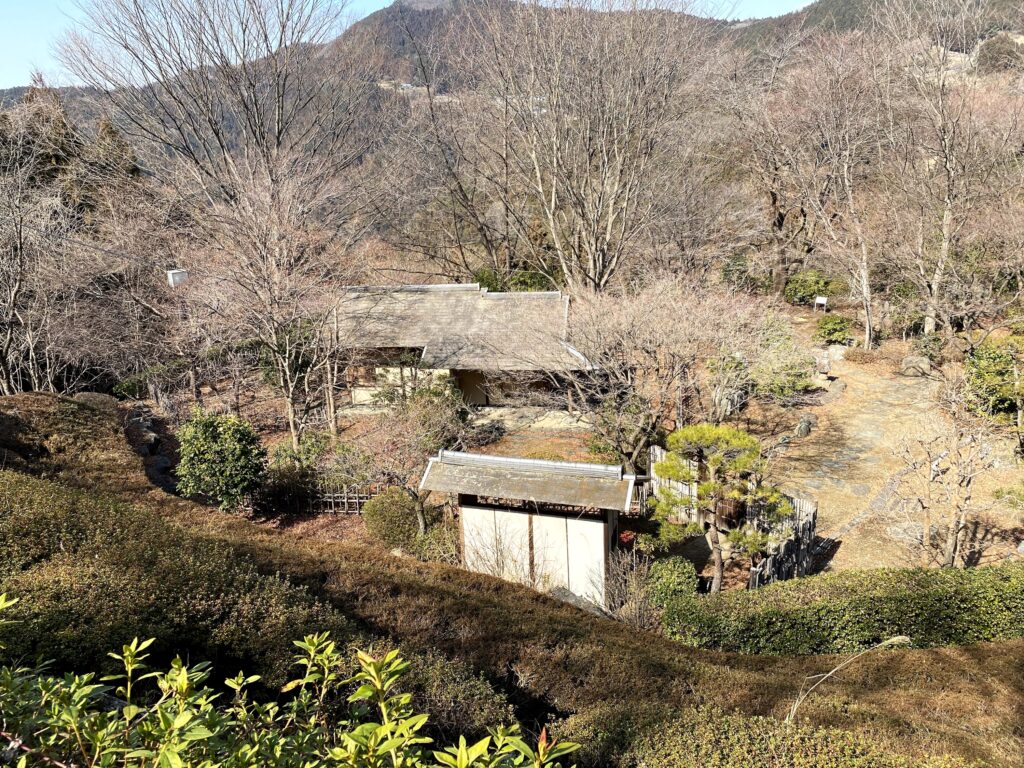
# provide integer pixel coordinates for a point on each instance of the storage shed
(547, 524)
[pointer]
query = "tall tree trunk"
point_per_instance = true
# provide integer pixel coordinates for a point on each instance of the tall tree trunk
(716, 555)
(938, 277)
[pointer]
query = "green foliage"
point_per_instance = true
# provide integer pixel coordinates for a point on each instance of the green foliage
(134, 387)
(175, 718)
(854, 610)
(782, 369)
(221, 458)
(804, 286)
(994, 376)
(516, 280)
(672, 579)
(391, 519)
(441, 543)
(90, 572)
(709, 738)
(833, 329)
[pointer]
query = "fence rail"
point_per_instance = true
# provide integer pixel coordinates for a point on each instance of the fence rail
(344, 499)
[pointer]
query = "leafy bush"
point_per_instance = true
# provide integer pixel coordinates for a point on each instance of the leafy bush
(782, 369)
(993, 378)
(833, 329)
(391, 519)
(441, 544)
(221, 458)
(672, 579)
(850, 611)
(91, 572)
(174, 718)
(710, 738)
(930, 345)
(804, 286)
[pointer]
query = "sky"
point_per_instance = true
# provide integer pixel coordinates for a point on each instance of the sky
(31, 29)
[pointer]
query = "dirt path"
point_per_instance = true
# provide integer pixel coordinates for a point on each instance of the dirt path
(849, 462)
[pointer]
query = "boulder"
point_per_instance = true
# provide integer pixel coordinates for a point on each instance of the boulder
(837, 352)
(807, 422)
(915, 365)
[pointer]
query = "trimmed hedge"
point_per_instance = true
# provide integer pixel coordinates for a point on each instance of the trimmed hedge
(708, 738)
(91, 574)
(391, 519)
(849, 611)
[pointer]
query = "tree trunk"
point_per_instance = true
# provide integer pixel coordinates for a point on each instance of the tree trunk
(293, 425)
(716, 556)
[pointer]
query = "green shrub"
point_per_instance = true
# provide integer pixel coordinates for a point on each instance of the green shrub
(804, 286)
(174, 718)
(391, 519)
(710, 738)
(930, 345)
(833, 329)
(991, 376)
(221, 458)
(672, 579)
(853, 610)
(441, 544)
(92, 572)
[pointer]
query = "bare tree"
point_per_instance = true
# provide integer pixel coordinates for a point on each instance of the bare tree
(937, 493)
(953, 149)
(256, 127)
(838, 155)
(670, 352)
(582, 95)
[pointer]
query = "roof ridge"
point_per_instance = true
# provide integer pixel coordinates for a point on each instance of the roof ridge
(578, 468)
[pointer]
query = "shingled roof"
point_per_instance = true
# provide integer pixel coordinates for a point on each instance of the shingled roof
(591, 486)
(464, 326)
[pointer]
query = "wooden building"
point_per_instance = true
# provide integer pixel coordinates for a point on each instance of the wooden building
(547, 524)
(483, 342)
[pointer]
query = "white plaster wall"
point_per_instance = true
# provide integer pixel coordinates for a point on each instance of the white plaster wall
(496, 542)
(567, 552)
(587, 548)
(550, 552)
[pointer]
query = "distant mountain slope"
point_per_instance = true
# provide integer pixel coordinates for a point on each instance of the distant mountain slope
(846, 15)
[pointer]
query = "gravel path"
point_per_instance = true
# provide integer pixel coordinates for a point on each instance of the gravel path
(849, 462)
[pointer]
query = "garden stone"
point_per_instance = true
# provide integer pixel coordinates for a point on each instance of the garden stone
(915, 365)
(837, 352)
(807, 422)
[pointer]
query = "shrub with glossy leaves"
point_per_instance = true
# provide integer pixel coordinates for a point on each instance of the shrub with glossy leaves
(175, 718)
(672, 579)
(804, 286)
(995, 376)
(221, 458)
(833, 329)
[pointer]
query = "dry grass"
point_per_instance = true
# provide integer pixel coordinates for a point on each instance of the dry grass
(967, 701)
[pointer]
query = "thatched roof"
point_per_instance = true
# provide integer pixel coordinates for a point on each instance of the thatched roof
(464, 327)
(589, 486)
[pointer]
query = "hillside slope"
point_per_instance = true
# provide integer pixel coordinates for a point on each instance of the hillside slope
(600, 678)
